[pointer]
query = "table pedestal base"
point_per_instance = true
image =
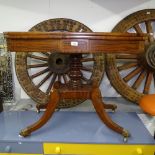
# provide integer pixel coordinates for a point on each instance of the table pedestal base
(61, 91)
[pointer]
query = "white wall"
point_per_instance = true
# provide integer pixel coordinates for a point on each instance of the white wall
(99, 15)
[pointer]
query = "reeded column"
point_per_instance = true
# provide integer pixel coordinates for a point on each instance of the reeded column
(75, 73)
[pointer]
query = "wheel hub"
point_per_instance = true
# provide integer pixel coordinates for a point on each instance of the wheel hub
(59, 63)
(150, 56)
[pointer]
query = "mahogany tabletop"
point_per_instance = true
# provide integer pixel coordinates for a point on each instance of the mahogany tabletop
(71, 42)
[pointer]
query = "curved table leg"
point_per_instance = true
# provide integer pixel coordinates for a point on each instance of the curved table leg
(54, 99)
(100, 109)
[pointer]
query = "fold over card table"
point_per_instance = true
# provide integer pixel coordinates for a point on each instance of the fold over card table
(75, 44)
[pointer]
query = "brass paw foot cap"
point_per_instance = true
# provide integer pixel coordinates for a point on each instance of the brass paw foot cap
(38, 111)
(25, 133)
(114, 108)
(126, 133)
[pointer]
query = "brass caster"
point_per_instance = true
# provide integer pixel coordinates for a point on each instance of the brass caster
(114, 108)
(125, 134)
(125, 139)
(38, 108)
(24, 133)
(38, 111)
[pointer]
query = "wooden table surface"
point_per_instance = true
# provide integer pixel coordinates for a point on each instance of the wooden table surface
(69, 42)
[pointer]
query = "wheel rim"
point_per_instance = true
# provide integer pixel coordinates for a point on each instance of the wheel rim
(37, 72)
(133, 75)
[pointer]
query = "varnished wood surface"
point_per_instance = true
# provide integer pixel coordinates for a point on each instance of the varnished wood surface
(88, 92)
(65, 42)
(69, 42)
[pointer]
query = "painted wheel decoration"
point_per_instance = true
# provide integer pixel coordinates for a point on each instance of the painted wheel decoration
(134, 75)
(38, 71)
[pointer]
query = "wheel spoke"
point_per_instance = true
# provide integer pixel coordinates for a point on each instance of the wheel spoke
(37, 57)
(132, 74)
(149, 30)
(86, 69)
(85, 56)
(45, 53)
(139, 80)
(39, 73)
(84, 79)
(148, 83)
(59, 77)
(126, 56)
(37, 65)
(44, 79)
(87, 59)
(137, 28)
(51, 83)
(65, 78)
(126, 66)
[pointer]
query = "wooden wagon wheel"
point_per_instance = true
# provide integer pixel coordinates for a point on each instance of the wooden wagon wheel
(134, 75)
(37, 72)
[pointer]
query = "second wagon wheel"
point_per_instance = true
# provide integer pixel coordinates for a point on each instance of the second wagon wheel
(134, 75)
(37, 72)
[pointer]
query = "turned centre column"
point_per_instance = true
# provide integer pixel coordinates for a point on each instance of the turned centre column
(75, 73)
